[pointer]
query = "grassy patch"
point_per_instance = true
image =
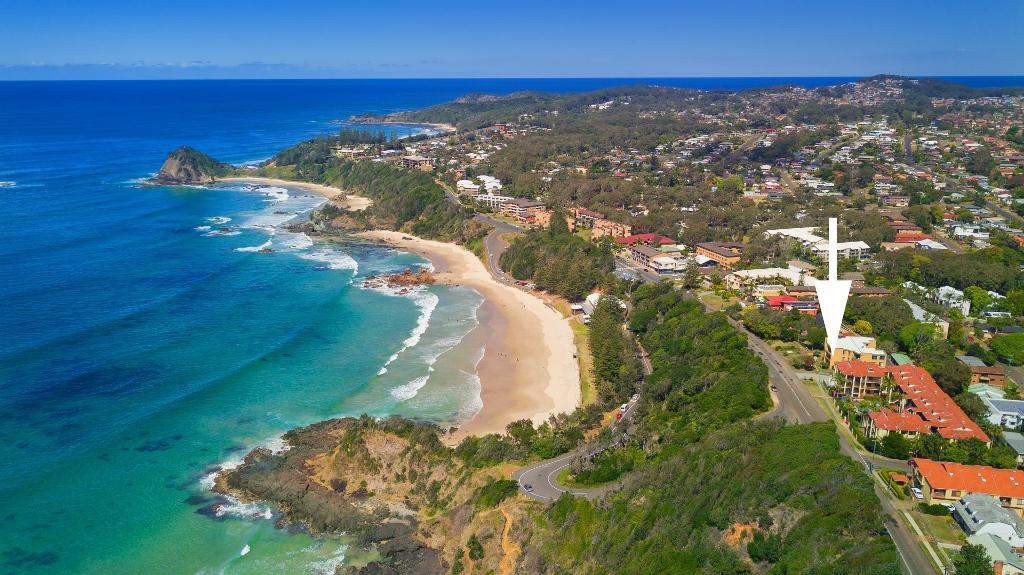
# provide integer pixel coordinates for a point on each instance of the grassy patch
(581, 335)
(940, 528)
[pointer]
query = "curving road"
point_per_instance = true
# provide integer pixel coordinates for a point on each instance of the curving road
(540, 479)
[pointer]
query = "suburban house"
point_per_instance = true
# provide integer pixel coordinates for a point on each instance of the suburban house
(924, 316)
(981, 373)
(723, 253)
(856, 348)
(1008, 413)
(947, 482)
(1005, 560)
(467, 187)
(1016, 442)
(851, 250)
(924, 407)
(980, 513)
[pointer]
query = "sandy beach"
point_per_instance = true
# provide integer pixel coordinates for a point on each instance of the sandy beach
(529, 369)
(344, 199)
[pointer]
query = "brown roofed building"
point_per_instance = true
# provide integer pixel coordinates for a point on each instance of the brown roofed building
(724, 253)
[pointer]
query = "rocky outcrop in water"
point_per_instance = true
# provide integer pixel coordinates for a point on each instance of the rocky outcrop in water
(187, 165)
(407, 278)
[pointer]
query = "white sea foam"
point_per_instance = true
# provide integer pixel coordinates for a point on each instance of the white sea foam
(335, 259)
(296, 241)
(218, 220)
(202, 228)
(409, 390)
(264, 246)
(274, 194)
(245, 551)
(216, 233)
(330, 565)
(427, 302)
(234, 507)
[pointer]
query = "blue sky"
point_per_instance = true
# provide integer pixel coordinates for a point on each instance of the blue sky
(398, 38)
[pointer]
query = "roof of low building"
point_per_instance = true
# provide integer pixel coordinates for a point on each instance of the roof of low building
(997, 549)
(1015, 441)
(977, 510)
(971, 478)
(970, 361)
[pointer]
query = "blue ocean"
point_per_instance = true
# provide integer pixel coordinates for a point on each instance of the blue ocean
(151, 335)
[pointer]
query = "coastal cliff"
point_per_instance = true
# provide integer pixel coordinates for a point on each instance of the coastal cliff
(187, 165)
(396, 489)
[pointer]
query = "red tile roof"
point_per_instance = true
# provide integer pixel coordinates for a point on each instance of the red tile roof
(926, 402)
(650, 239)
(890, 420)
(778, 300)
(971, 478)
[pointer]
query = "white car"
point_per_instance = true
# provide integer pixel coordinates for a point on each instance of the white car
(624, 407)
(635, 397)
(917, 492)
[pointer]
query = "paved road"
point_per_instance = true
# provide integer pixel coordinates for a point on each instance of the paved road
(495, 245)
(541, 477)
(797, 405)
(795, 402)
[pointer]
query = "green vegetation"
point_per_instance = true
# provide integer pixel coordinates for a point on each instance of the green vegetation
(495, 492)
(706, 466)
(405, 200)
(972, 560)
(558, 261)
(616, 367)
(1009, 348)
(933, 509)
(993, 268)
(821, 512)
(607, 466)
(886, 315)
(785, 326)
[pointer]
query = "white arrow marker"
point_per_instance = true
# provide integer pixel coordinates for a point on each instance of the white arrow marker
(832, 294)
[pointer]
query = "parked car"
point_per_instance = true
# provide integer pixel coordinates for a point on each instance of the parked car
(624, 407)
(635, 397)
(917, 492)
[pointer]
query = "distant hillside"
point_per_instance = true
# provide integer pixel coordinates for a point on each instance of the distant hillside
(187, 165)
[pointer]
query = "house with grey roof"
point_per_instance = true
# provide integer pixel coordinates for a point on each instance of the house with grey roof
(1016, 442)
(977, 513)
(1007, 413)
(1005, 560)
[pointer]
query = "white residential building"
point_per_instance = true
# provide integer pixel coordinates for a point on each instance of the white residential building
(493, 201)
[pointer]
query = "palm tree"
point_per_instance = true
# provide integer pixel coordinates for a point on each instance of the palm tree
(891, 389)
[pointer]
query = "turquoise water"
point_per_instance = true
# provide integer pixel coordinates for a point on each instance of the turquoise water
(147, 339)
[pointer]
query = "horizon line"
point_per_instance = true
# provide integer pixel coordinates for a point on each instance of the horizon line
(406, 78)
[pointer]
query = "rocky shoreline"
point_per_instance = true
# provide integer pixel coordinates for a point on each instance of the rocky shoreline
(403, 281)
